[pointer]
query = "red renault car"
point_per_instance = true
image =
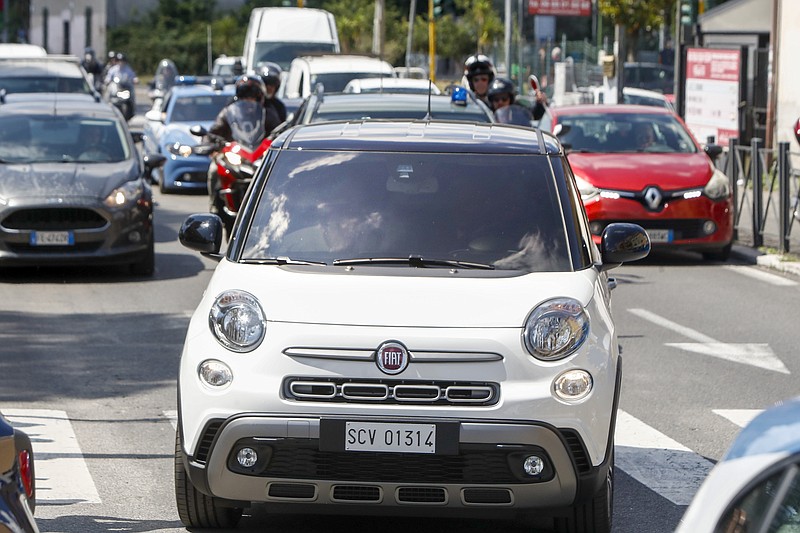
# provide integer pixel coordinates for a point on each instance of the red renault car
(640, 164)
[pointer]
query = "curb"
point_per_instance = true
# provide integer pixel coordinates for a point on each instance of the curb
(788, 264)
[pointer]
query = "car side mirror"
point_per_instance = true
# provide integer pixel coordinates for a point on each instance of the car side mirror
(623, 242)
(713, 151)
(202, 232)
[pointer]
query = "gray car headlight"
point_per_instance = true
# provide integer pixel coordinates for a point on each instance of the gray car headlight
(125, 194)
(718, 187)
(556, 328)
(237, 321)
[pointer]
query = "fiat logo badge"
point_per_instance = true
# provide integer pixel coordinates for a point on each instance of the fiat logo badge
(391, 357)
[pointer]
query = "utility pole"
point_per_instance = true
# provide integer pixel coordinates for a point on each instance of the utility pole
(377, 28)
(431, 42)
(412, 14)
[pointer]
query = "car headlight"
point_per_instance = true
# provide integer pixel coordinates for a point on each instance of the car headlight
(587, 190)
(233, 158)
(718, 187)
(556, 328)
(237, 321)
(125, 194)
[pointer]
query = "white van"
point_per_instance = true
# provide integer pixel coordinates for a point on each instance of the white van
(280, 34)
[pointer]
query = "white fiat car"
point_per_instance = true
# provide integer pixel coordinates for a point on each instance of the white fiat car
(411, 317)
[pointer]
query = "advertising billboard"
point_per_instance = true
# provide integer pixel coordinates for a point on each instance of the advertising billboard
(712, 93)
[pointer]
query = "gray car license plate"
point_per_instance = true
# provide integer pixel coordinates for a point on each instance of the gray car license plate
(52, 238)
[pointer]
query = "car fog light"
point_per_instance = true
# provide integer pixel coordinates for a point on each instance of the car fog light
(709, 227)
(247, 457)
(573, 385)
(215, 373)
(596, 228)
(533, 465)
(135, 237)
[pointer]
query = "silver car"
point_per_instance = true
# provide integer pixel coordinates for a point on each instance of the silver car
(72, 187)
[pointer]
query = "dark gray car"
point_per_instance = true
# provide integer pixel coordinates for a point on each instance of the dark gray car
(73, 189)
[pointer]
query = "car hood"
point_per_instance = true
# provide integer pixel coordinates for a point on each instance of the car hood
(634, 172)
(375, 296)
(64, 180)
(179, 132)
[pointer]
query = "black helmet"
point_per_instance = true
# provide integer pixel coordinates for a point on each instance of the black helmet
(250, 87)
(271, 74)
(476, 65)
(502, 86)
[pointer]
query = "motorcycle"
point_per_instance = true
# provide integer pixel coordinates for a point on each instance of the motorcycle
(234, 162)
(121, 93)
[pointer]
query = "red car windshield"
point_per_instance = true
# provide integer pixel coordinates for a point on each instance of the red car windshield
(624, 132)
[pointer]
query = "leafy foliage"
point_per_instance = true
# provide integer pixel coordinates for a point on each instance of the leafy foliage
(637, 15)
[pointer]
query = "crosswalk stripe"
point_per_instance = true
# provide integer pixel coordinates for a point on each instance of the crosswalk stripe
(772, 279)
(740, 417)
(62, 476)
(657, 461)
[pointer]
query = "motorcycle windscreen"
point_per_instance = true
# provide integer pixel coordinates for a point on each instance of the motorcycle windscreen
(246, 119)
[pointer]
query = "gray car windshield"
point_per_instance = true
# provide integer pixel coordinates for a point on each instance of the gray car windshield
(61, 139)
(486, 210)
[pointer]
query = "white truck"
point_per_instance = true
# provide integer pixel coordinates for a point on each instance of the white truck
(279, 34)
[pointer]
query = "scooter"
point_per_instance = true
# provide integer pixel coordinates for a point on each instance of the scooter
(235, 161)
(120, 92)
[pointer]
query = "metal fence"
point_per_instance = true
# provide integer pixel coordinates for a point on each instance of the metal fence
(766, 191)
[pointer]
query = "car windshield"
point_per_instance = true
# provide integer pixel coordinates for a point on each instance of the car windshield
(496, 211)
(335, 82)
(43, 139)
(283, 53)
(624, 132)
(198, 108)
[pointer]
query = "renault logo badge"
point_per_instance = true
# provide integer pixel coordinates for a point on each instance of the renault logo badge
(653, 197)
(391, 357)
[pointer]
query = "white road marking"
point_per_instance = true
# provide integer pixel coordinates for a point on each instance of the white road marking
(658, 462)
(62, 476)
(766, 277)
(754, 354)
(740, 417)
(172, 416)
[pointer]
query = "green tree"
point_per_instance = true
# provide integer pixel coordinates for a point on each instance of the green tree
(637, 16)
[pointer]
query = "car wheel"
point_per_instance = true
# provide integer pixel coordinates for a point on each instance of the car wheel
(595, 515)
(162, 186)
(146, 265)
(196, 509)
(723, 254)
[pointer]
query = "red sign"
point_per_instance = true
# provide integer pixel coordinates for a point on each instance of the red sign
(575, 8)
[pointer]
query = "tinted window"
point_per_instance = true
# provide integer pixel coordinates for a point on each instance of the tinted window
(198, 108)
(493, 209)
(625, 133)
(45, 84)
(355, 114)
(774, 502)
(335, 82)
(284, 53)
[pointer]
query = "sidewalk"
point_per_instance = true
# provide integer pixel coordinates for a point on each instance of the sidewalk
(786, 263)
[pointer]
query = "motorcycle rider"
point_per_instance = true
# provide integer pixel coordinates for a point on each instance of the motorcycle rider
(479, 72)
(121, 69)
(249, 90)
(93, 67)
(276, 110)
(502, 96)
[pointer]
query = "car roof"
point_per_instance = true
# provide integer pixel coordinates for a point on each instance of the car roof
(623, 109)
(61, 103)
(775, 430)
(21, 50)
(419, 136)
(390, 83)
(198, 90)
(345, 63)
(343, 102)
(66, 66)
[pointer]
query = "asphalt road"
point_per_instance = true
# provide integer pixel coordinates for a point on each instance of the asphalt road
(89, 356)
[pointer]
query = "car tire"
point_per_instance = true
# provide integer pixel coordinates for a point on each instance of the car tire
(722, 255)
(595, 515)
(195, 509)
(162, 186)
(146, 265)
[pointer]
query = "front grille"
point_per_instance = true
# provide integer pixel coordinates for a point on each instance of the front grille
(54, 219)
(294, 491)
(683, 228)
(421, 495)
(390, 391)
(577, 450)
(495, 496)
(356, 493)
(204, 446)
(477, 464)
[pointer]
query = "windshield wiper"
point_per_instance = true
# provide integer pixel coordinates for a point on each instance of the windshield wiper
(283, 260)
(413, 261)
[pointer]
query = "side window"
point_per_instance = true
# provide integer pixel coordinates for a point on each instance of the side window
(773, 505)
(587, 248)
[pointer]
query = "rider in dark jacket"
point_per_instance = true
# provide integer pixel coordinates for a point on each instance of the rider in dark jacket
(276, 110)
(502, 96)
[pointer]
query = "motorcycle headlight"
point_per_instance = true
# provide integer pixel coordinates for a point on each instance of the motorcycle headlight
(718, 187)
(124, 94)
(125, 194)
(233, 158)
(556, 328)
(587, 190)
(237, 321)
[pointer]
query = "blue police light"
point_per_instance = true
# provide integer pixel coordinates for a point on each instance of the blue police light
(459, 96)
(186, 80)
